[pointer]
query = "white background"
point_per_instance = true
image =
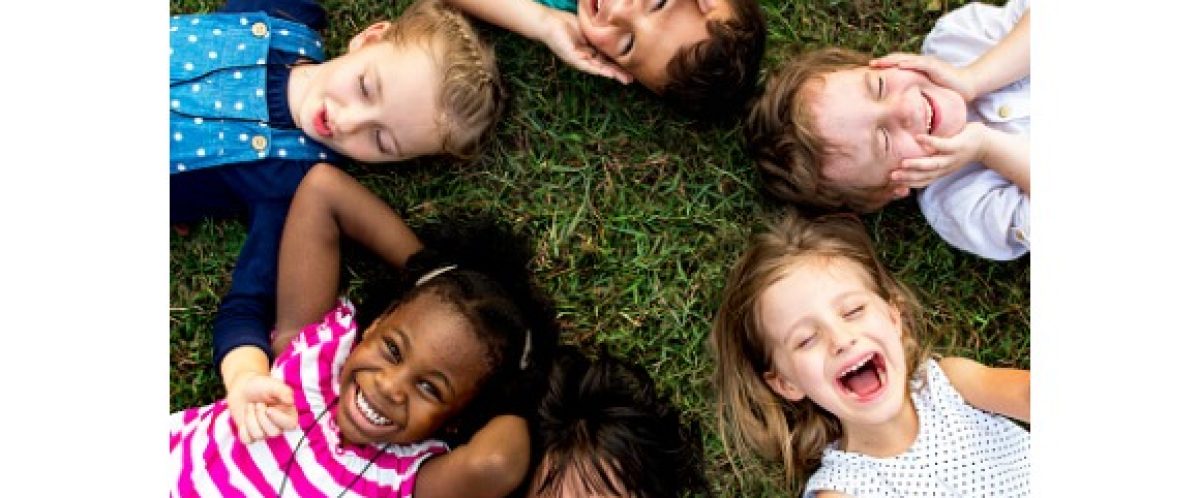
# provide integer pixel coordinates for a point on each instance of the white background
(83, 208)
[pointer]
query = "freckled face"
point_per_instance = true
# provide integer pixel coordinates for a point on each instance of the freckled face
(415, 368)
(642, 36)
(871, 117)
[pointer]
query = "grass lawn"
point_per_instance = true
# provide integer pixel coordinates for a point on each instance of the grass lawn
(637, 212)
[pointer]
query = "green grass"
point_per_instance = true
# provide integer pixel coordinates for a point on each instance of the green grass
(638, 213)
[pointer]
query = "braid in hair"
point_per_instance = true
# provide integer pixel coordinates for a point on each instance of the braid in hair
(471, 97)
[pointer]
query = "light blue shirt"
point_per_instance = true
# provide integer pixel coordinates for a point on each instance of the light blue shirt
(976, 209)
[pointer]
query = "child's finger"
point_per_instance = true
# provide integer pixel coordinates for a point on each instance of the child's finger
(240, 422)
(934, 145)
(280, 394)
(283, 419)
(929, 163)
(890, 60)
(252, 427)
(268, 426)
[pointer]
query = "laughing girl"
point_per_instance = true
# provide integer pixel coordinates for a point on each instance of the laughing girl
(824, 364)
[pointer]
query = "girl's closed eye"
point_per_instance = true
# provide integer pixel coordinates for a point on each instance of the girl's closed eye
(854, 312)
(393, 351)
(805, 341)
(362, 86)
(627, 46)
(380, 142)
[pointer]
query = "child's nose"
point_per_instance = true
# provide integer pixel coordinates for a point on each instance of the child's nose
(842, 339)
(350, 120)
(615, 11)
(391, 385)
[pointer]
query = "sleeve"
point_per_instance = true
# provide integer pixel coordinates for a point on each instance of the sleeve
(967, 32)
(247, 312)
(977, 210)
(307, 12)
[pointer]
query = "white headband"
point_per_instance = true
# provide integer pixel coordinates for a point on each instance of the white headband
(528, 350)
(429, 276)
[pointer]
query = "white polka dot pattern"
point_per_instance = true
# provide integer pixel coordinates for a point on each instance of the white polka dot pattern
(960, 451)
(219, 67)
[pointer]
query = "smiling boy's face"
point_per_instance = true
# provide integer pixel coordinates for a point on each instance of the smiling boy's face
(642, 36)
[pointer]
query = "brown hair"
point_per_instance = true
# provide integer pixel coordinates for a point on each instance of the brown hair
(782, 137)
(750, 416)
(716, 76)
(471, 98)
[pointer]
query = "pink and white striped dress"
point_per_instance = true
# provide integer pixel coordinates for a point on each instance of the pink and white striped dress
(207, 459)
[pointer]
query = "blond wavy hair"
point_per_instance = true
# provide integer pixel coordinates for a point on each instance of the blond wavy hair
(471, 98)
(783, 138)
(751, 418)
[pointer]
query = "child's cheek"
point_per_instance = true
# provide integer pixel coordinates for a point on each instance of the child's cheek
(908, 148)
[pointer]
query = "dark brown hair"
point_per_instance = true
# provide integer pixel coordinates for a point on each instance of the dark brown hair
(716, 76)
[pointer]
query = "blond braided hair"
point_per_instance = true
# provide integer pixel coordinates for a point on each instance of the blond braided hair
(471, 97)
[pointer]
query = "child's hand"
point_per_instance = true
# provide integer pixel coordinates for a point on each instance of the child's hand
(947, 156)
(262, 407)
(958, 79)
(560, 32)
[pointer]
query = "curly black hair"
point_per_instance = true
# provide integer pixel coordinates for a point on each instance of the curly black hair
(605, 414)
(491, 285)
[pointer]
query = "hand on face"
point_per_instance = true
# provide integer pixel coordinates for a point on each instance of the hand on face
(261, 406)
(947, 155)
(935, 69)
(562, 35)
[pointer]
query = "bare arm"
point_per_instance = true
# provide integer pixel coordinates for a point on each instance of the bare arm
(519, 16)
(1008, 154)
(1006, 62)
(491, 464)
(999, 390)
(329, 204)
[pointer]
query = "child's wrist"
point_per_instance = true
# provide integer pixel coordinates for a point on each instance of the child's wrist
(987, 144)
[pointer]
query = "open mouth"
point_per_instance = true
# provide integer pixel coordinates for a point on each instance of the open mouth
(931, 117)
(321, 124)
(368, 411)
(865, 379)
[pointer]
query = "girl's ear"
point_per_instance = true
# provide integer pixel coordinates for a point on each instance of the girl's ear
(782, 387)
(372, 34)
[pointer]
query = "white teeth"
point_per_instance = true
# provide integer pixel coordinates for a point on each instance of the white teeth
(928, 117)
(371, 414)
(855, 366)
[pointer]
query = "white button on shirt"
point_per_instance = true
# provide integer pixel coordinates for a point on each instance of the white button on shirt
(975, 209)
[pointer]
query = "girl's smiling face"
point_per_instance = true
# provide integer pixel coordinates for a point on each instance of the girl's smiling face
(832, 339)
(415, 368)
(870, 117)
(376, 103)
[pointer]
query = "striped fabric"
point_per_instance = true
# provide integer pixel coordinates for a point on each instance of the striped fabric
(208, 460)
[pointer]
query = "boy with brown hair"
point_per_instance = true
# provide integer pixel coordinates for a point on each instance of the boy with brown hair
(835, 129)
(700, 55)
